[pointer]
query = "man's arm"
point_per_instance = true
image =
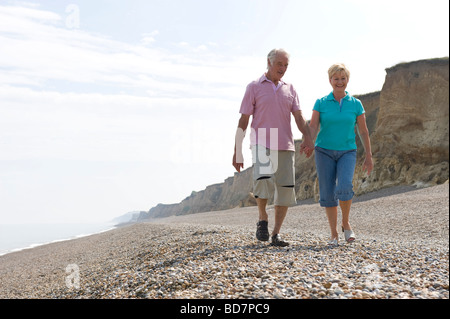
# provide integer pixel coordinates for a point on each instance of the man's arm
(307, 145)
(238, 158)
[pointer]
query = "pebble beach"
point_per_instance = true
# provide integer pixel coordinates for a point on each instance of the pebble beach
(401, 252)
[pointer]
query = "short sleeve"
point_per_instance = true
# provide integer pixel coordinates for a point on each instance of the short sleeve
(359, 108)
(317, 106)
(248, 102)
(295, 102)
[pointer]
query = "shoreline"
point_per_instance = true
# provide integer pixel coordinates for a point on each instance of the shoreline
(38, 243)
(365, 197)
(401, 252)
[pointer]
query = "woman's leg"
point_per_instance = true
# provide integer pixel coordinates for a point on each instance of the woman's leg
(345, 208)
(344, 190)
(326, 173)
(332, 214)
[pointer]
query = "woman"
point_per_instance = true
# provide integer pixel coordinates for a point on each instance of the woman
(333, 120)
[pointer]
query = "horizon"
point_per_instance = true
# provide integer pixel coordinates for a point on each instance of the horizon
(113, 107)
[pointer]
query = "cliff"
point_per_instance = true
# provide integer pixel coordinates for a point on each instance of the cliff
(411, 137)
(408, 121)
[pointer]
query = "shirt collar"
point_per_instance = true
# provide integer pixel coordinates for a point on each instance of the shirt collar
(264, 78)
(330, 96)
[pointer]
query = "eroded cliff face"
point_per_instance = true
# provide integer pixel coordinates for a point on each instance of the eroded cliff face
(408, 123)
(233, 192)
(410, 142)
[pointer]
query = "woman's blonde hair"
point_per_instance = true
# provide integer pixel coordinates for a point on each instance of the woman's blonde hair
(336, 68)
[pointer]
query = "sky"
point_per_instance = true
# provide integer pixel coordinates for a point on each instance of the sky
(108, 107)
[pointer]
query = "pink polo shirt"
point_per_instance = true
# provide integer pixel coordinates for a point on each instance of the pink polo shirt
(271, 108)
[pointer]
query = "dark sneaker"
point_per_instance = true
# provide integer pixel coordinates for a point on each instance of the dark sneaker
(262, 230)
(277, 241)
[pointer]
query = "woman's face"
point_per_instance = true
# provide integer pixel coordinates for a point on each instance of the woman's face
(339, 82)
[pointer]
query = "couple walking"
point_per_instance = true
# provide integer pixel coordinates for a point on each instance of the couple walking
(270, 102)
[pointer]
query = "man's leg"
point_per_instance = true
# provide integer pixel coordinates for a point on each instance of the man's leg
(262, 203)
(284, 192)
(280, 215)
(262, 229)
(262, 183)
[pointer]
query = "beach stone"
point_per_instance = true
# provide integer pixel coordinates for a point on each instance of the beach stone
(162, 259)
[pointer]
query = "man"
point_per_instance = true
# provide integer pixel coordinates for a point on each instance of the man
(271, 102)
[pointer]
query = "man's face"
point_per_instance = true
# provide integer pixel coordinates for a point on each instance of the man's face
(278, 68)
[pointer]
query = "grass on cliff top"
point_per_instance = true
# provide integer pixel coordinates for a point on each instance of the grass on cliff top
(436, 61)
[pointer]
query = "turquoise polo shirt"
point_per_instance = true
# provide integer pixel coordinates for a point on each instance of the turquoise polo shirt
(337, 122)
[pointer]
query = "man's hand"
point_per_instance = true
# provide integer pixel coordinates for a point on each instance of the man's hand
(307, 150)
(237, 165)
(307, 146)
(238, 158)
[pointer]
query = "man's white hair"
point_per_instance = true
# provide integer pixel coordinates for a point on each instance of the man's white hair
(273, 54)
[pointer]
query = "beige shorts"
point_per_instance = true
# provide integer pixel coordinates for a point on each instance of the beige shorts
(274, 175)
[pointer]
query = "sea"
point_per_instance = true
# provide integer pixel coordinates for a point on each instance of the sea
(16, 237)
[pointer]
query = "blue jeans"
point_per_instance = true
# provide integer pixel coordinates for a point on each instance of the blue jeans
(335, 170)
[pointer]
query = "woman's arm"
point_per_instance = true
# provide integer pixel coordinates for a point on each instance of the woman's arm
(365, 139)
(314, 124)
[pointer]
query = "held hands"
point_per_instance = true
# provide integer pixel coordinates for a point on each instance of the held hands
(307, 147)
(307, 151)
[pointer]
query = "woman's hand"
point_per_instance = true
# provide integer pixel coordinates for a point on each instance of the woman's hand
(368, 164)
(306, 149)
